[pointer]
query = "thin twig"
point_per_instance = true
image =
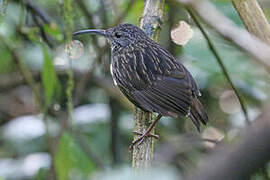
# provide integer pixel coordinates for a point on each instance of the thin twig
(24, 71)
(39, 14)
(221, 64)
(114, 126)
(16, 80)
(35, 9)
(227, 28)
(33, 85)
(47, 38)
(81, 142)
(68, 16)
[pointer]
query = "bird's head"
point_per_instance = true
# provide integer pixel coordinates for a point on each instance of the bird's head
(118, 36)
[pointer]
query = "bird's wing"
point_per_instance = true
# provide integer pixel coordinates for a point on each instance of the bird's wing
(167, 97)
(154, 81)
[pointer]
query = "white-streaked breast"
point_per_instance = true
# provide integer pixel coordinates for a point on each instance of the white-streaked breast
(111, 69)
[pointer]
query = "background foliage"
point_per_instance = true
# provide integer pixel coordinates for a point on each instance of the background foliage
(62, 118)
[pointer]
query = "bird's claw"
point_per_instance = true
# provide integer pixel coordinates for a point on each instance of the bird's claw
(137, 142)
(149, 135)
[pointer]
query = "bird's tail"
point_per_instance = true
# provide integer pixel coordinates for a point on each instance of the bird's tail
(197, 113)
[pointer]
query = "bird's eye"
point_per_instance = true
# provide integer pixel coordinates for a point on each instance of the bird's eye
(117, 35)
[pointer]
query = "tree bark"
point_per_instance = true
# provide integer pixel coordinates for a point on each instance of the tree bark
(253, 18)
(150, 22)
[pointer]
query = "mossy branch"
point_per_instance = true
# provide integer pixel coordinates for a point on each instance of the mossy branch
(254, 19)
(68, 15)
(150, 23)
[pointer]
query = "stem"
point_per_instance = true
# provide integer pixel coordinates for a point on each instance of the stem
(70, 87)
(150, 23)
(115, 136)
(27, 75)
(253, 18)
(69, 23)
(220, 62)
(3, 6)
(228, 29)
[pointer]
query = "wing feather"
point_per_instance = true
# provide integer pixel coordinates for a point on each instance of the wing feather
(164, 94)
(156, 82)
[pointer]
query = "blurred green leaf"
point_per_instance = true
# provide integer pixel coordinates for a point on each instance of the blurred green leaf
(53, 30)
(71, 161)
(6, 64)
(42, 174)
(49, 77)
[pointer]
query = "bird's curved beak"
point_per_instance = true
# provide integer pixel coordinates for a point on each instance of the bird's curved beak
(91, 31)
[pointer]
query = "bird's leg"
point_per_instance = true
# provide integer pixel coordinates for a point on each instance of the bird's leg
(140, 139)
(150, 135)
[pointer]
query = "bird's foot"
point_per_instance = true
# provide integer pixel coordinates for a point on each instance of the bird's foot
(148, 135)
(141, 138)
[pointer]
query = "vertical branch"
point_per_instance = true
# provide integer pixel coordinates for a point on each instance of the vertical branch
(114, 125)
(227, 28)
(3, 6)
(253, 18)
(68, 17)
(222, 66)
(150, 22)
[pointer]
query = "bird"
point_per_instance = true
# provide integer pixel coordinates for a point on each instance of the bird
(150, 77)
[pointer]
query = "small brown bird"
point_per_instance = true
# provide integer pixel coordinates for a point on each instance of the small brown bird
(150, 77)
